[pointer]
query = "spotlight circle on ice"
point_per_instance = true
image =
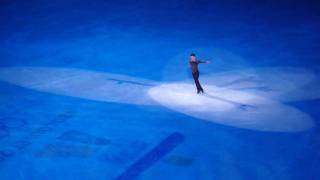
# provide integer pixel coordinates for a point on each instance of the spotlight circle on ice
(231, 107)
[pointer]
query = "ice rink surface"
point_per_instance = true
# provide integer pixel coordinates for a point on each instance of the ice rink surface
(103, 90)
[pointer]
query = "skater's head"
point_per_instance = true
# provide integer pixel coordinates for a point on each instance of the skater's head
(192, 56)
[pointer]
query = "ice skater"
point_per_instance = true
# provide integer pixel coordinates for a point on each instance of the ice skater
(195, 71)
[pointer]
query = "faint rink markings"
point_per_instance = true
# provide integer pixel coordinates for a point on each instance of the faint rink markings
(73, 143)
(4, 132)
(179, 160)
(77, 144)
(8, 123)
(123, 152)
(154, 155)
(66, 150)
(44, 129)
(81, 137)
(11, 149)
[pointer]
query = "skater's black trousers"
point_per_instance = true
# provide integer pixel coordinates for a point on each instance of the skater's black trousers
(196, 80)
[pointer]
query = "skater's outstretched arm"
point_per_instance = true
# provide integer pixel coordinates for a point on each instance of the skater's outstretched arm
(205, 62)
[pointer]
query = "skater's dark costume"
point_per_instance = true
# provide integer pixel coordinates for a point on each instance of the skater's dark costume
(195, 74)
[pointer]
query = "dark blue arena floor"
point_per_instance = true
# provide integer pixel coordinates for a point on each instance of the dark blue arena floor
(103, 90)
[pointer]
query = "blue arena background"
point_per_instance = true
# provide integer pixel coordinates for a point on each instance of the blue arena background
(46, 134)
